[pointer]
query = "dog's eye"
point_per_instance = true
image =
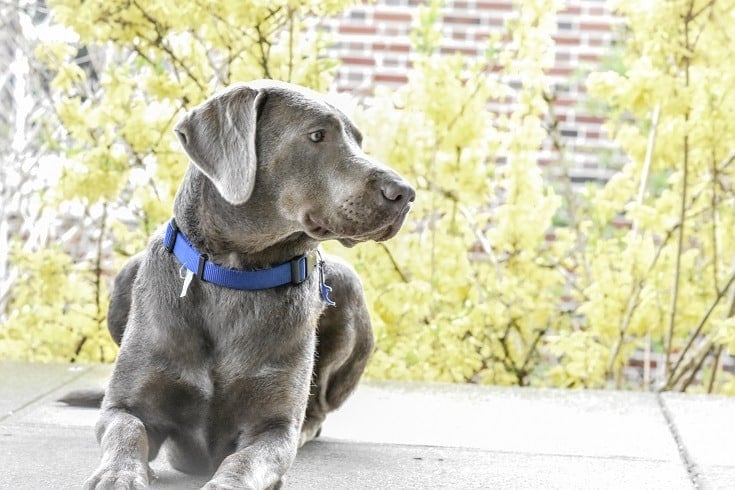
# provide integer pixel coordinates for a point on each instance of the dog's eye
(316, 136)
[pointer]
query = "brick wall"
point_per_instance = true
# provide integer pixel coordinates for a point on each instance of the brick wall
(373, 44)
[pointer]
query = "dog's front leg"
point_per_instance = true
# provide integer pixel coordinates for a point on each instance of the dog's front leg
(124, 444)
(260, 465)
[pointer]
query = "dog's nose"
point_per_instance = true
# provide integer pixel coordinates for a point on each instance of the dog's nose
(398, 191)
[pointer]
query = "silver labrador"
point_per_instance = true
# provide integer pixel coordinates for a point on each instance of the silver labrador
(227, 379)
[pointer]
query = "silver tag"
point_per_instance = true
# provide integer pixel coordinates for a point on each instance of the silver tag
(187, 280)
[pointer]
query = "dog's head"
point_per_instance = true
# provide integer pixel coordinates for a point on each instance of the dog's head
(281, 152)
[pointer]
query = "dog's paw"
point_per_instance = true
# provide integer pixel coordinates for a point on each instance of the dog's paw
(110, 477)
(219, 484)
(226, 481)
(310, 431)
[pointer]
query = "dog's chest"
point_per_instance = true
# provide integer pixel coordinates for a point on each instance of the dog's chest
(234, 361)
(229, 315)
(217, 351)
(231, 335)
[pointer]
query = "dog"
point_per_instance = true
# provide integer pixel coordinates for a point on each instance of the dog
(236, 337)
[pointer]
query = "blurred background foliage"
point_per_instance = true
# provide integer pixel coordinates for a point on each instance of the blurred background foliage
(500, 275)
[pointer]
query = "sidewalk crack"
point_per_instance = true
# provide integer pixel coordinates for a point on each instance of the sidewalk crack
(689, 464)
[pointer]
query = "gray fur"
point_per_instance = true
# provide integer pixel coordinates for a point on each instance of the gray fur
(224, 377)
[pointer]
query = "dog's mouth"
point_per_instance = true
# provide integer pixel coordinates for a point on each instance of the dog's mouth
(316, 227)
(320, 229)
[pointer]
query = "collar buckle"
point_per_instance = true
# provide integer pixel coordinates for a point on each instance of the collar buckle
(300, 272)
(200, 265)
(172, 231)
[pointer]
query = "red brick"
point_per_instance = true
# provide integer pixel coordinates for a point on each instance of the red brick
(464, 51)
(387, 16)
(560, 72)
(569, 40)
(353, 29)
(481, 37)
(560, 56)
(596, 11)
(595, 42)
(353, 60)
(392, 31)
(589, 119)
(495, 6)
(565, 102)
(387, 78)
(396, 48)
(589, 57)
(595, 26)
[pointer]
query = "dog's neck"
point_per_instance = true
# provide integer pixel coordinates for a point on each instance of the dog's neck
(228, 234)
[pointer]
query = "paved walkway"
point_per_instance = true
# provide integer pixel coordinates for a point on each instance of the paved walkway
(395, 435)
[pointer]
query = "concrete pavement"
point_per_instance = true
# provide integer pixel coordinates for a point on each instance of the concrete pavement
(422, 436)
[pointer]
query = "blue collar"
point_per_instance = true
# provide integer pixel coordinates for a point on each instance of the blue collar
(295, 271)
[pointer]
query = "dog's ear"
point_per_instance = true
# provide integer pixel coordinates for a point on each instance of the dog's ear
(219, 137)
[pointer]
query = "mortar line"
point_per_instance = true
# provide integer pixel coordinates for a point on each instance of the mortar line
(691, 467)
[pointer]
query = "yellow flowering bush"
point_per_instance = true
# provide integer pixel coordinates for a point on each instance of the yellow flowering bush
(497, 277)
